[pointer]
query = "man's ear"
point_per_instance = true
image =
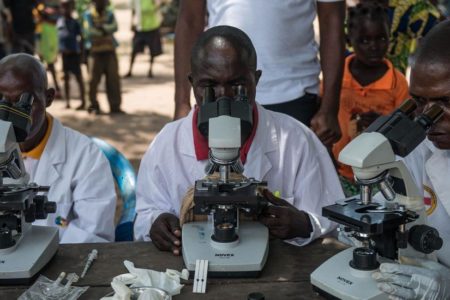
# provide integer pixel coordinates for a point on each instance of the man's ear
(49, 96)
(257, 76)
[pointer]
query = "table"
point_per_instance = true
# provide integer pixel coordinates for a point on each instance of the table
(285, 276)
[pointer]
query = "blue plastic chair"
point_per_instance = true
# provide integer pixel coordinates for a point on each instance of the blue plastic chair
(125, 177)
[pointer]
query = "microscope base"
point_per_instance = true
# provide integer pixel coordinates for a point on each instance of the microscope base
(32, 253)
(246, 258)
(335, 279)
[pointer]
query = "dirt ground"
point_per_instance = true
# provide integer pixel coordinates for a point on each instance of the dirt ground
(148, 102)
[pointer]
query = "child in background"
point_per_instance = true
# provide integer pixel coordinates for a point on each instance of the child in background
(371, 86)
(69, 33)
(47, 14)
(99, 24)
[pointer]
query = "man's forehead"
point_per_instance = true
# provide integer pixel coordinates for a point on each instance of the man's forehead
(19, 78)
(429, 84)
(220, 59)
(13, 84)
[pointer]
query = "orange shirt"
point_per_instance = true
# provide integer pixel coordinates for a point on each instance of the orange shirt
(381, 96)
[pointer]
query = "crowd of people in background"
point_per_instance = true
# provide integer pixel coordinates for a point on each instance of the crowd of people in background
(365, 77)
(79, 32)
(300, 120)
(82, 32)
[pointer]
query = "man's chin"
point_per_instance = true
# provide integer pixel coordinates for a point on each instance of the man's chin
(440, 141)
(442, 146)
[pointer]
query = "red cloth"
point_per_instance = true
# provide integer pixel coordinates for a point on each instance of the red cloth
(201, 143)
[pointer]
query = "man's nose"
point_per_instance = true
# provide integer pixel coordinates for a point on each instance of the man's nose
(373, 45)
(430, 104)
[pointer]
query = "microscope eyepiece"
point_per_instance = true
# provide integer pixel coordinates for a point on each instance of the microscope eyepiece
(430, 116)
(241, 93)
(209, 95)
(408, 107)
(25, 103)
(18, 114)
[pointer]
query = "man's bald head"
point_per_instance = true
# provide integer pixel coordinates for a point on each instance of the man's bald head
(434, 47)
(22, 73)
(27, 67)
(219, 35)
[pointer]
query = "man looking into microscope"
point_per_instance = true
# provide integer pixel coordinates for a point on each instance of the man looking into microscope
(77, 172)
(430, 165)
(279, 150)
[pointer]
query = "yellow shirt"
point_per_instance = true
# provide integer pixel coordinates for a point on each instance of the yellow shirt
(36, 153)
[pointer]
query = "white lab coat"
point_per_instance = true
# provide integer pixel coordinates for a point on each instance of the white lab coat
(284, 152)
(430, 168)
(81, 184)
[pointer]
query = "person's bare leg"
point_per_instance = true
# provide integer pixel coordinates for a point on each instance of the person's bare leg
(133, 57)
(96, 66)
(150, 71)
(80, 82)
(51, 68)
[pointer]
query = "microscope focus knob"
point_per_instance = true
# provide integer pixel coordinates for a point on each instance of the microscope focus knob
(6, 240)
(255, 296)
(424, 238)
(43, 207)
(50, 207)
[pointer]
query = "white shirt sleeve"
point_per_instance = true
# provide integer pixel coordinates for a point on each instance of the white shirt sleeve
(317, 185)
(151, 195)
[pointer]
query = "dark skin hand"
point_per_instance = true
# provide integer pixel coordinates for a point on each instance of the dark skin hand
(367, 118)
(166, 233)
(284, 220)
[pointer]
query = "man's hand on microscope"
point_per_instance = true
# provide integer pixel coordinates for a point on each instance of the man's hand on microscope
(166, 233)
(283, 219)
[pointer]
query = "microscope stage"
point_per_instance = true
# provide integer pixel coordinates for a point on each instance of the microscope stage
(243, 259)
(364, 218)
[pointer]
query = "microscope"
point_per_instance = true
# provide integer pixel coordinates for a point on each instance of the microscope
(386, 229)
(232, 247)
(24, 249)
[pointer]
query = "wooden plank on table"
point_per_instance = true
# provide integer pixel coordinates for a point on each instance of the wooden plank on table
(287, 266)
(280, 290)
(285, 262)
(72, 258)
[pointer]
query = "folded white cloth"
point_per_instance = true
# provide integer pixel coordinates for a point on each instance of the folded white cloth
(168, 281)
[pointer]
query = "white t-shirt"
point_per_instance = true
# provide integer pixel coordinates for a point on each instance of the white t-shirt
(283, 35)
